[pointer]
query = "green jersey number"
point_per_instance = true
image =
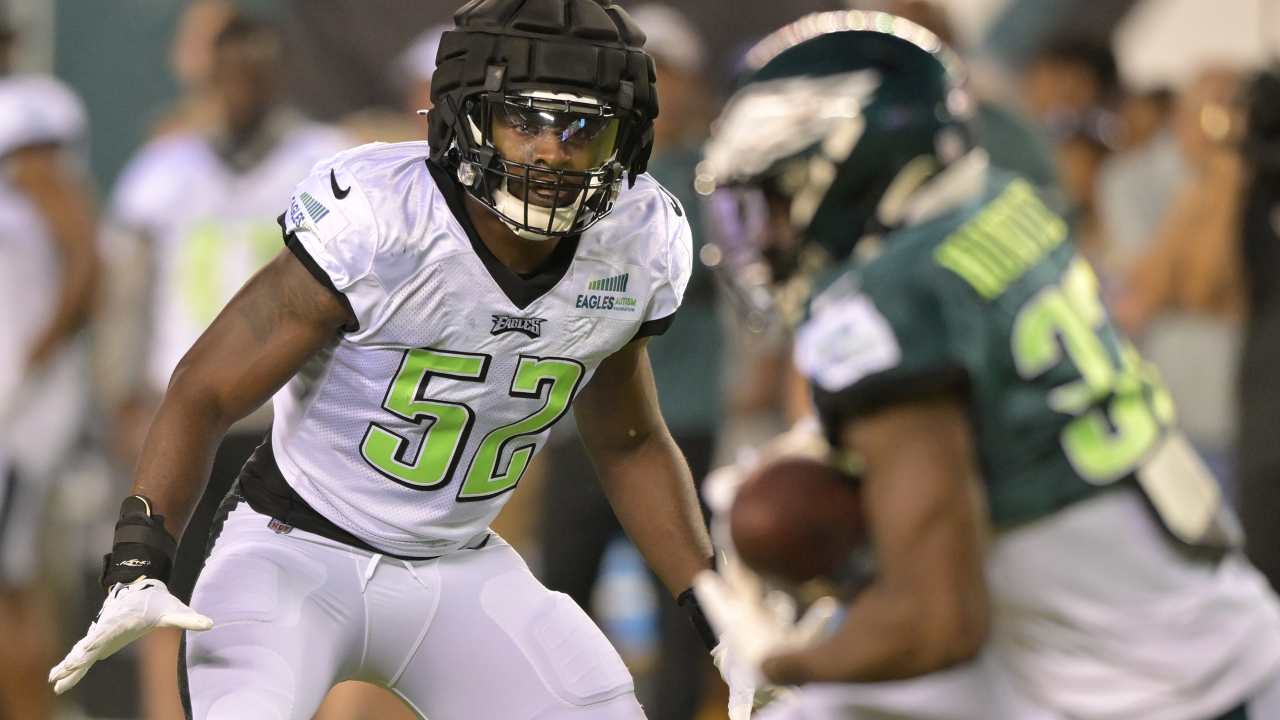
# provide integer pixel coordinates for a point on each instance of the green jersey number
(1121, 407)
(445, 435)
(560, 380)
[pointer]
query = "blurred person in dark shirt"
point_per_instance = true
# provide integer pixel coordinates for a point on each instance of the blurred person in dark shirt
(686, 368)
(1258, 457)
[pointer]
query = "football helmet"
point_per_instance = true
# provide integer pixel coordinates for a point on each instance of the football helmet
(840, 118)
(541, 108)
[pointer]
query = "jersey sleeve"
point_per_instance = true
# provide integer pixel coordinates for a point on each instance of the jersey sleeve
(331, 228)
(38, 110)
(888, 341)
(675, 265)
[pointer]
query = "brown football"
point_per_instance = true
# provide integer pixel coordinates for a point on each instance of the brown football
(796, 519)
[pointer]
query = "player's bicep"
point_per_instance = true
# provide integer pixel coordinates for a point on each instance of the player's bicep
(618, 409)
(268, 330)
(925, 505)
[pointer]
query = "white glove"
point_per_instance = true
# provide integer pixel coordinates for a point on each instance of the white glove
(752, 627)
(129, 612)
(742, 678)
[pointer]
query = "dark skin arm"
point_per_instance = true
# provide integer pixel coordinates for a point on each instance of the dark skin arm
(927, 609)
(64, 203)
(268, 331)
(643, 473)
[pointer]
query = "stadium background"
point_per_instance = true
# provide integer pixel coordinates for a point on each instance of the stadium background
(342, 58)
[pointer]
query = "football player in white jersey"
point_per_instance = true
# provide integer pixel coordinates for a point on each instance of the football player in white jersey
(202, 203)
(48, 269)
(439, 307)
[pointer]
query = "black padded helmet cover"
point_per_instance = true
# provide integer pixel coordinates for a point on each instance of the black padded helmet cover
(585, 47)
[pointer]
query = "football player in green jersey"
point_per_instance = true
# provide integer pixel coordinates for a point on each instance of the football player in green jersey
(1047, 545)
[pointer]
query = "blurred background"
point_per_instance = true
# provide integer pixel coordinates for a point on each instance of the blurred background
(173, 135)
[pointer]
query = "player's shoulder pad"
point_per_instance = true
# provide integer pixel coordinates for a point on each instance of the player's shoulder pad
(39, 109)
(653, 226)
(354, 201)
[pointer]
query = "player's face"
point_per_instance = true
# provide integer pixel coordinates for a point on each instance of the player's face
(247, 81)
(555, 141)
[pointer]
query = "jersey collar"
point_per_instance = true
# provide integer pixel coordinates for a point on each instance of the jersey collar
(521, 290)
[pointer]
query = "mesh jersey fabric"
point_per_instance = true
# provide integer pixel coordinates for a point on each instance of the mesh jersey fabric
(374, 220)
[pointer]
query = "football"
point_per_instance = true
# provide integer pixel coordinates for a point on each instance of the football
(796, 519)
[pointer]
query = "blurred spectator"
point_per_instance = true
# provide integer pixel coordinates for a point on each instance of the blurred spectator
(1070, 88)
(1259, 454)
(48, 270)
(686, 368)
(1135, 186)
(203, 200)
(1182, 299)
(1068, 85)
(191, 60)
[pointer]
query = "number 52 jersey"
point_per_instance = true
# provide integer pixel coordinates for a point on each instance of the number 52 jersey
(412, 428)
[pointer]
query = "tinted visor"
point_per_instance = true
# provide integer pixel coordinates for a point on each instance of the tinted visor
(558, 140)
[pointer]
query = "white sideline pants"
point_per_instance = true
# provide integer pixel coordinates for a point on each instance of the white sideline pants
(466, 636)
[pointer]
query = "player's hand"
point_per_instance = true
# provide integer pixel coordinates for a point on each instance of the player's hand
(754, 626)
(129, 612)
(742, 678)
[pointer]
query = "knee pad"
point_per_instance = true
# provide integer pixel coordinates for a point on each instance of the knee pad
(232, 683)
(570, 654)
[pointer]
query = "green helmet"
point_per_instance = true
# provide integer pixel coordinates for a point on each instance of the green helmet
(840, 113)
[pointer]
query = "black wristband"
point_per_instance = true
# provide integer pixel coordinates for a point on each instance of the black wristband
(142, 547)
(689, 601)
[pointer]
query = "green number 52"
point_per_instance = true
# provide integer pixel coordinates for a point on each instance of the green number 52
(447, 425)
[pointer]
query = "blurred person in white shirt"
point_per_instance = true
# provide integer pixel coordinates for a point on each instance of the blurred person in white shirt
(48, 269)
(201, 202)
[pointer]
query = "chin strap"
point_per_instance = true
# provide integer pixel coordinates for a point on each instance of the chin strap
(689, 601)
(141, 548)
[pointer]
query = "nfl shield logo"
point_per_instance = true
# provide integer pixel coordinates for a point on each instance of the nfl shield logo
(279, 528)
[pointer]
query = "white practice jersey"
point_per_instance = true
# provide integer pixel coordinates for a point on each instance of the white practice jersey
(209, 227)
(411, 431)
(34, 110)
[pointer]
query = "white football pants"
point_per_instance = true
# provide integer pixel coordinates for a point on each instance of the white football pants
(466, 636)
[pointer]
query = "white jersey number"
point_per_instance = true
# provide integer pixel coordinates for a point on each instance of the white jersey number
(446, 435)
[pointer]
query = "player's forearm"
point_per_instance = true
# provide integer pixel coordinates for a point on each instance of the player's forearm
(652, 493)
(177, 455)
(890, 635)
(928, 607)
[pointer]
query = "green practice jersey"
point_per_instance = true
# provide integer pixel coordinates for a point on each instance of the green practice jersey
(992, 302)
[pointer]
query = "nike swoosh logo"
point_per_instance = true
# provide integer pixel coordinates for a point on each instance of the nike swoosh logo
(337, 191)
